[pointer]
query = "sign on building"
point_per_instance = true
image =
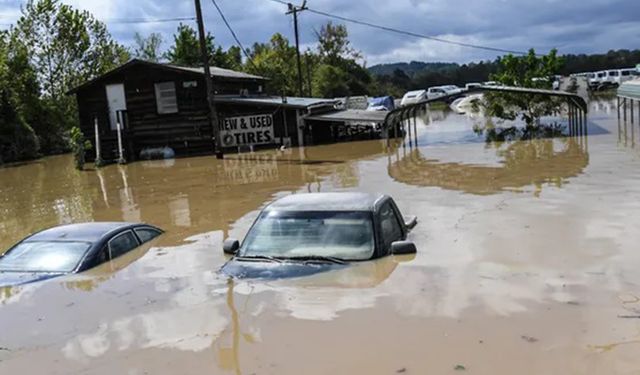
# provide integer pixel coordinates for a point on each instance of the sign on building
(247, 130)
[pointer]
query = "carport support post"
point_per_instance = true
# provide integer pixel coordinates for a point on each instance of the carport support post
(618, 101)
(624, 109)
(121, 159)
(96, 129)
(631, 109)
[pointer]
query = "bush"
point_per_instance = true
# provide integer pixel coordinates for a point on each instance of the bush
(79, 146)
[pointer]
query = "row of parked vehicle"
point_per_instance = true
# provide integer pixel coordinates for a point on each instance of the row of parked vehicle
(608, 78)
(450, 91)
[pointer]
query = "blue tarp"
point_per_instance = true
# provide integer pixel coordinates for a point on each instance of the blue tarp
(383, 102)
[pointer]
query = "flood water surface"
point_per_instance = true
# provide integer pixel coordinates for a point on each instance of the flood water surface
(527, 261)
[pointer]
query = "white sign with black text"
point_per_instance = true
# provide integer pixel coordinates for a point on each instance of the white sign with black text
(247, 130)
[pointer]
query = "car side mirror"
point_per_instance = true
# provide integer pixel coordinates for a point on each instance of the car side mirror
(231, 246)
(410, 222)
(403, 248)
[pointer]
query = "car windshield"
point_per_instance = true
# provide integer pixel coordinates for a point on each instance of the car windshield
(286, 234)
(44, 257)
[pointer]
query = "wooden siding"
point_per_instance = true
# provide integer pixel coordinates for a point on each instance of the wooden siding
(188, 132)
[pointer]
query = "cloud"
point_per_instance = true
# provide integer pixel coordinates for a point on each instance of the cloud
(573, 26)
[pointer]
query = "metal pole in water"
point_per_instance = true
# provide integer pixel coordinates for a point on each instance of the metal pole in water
(97, 133)
(120, 150)
(618, 101)
(631, 109)
(624, 109)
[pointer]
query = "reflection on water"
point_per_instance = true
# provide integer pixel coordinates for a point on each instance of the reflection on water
(523, 156)
(489, 269)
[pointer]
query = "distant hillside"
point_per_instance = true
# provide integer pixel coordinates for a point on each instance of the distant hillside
(412, 68)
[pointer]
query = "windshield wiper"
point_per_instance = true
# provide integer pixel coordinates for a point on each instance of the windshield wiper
(259, 257)
(319, 258)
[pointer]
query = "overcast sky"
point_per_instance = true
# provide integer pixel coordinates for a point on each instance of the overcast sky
(572, 26)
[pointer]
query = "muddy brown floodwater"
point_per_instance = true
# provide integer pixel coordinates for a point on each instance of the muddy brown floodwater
(527, 262)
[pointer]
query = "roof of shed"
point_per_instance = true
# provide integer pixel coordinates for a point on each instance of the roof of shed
(288, 102)
(215, 72)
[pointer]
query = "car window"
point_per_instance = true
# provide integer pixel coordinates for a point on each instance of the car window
(102, 256)
(43, 256)
(290, 234)
(146, 234)
(122, 244)
(389, 225)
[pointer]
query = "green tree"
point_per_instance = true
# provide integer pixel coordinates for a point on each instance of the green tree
(335, 50)
(64, 47)
(334, 45)
(185, 50)
(148, 48)
(531, 71)
(330, 82)
(186, 47)
(277, 61)
(17, 139)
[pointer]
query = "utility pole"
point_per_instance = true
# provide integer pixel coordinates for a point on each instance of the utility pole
(295, 10)
(213, 115)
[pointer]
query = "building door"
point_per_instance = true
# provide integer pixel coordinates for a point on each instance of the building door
(117, 103)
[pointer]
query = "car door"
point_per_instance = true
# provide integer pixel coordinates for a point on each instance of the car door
(122, 243)
(391, 229)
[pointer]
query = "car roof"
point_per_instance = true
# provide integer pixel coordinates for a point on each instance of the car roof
(90, 232)
(415, 92)
(326, 202)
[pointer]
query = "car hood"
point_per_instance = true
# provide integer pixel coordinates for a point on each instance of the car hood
(272, 270)
(20, 278)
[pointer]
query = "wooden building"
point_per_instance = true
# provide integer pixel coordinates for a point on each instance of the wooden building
(163, 105)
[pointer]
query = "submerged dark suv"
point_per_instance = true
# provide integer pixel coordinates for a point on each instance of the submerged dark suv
(304, 234)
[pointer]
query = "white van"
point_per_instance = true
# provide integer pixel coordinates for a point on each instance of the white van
(626, 75)
(597, 79)
(413, 97)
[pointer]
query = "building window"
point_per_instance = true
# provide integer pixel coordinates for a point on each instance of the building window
(166, 99)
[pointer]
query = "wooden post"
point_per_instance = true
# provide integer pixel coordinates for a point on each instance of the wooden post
(213, 115)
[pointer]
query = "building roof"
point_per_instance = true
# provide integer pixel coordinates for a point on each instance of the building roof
(288, 102)
(215, 72)
(630, 89)
(351, 115)
(78, 232)
(326, 202)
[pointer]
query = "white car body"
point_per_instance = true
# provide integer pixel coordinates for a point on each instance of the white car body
(436, 92)
(472, 85)
(413, 97)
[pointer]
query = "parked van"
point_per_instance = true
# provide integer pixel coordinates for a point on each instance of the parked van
(413, 97)
(597, 79)
(626, 75)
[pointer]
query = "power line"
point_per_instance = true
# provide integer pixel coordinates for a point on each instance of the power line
(403, 32)
(233, 33)
(147, 20)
